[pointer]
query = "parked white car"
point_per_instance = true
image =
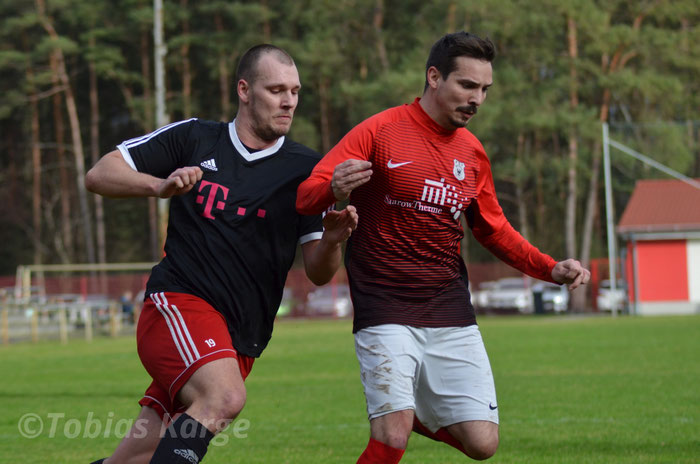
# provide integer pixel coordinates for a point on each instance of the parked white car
(480, 296)
(606, 297)
(554, 297)
(510, 293)
(516, 293)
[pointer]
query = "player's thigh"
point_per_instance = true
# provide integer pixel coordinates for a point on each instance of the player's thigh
(141, 441)
(178, 334)
(455, 383)
(217, 383)
(389, 357)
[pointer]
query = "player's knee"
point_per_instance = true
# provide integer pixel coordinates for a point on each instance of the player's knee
(230, 403)
(395, 438)
(221, 405)
(482, 449)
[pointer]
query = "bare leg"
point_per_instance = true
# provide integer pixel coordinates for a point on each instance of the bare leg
(214, 394)
(479, 438)
(138, 445)
(393, 429)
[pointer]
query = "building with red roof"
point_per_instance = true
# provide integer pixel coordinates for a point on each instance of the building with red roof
(661, 225)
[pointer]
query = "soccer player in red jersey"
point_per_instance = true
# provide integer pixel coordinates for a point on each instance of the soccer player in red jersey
(411, 172)
(232, 235)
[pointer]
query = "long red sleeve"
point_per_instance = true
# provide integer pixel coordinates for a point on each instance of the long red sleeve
(491, 228)
(315, 194)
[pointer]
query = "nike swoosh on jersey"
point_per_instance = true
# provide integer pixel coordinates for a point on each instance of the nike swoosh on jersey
(391, 165)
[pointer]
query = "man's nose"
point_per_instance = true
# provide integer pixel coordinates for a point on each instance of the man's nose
(477, 97)
(289, 100)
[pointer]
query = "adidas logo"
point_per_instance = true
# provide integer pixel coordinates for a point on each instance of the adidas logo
(188, 454)
(209, 164)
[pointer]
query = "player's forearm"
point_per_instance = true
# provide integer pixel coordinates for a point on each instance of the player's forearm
(112, 177)
(323, 262)
(511, 248)
(314, 195)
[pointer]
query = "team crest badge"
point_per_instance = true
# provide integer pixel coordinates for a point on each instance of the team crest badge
(458, 170)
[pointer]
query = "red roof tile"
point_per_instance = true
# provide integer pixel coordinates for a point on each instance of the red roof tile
(661, 206)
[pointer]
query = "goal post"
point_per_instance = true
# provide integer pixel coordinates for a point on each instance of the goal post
(607, 144)
(26, 275)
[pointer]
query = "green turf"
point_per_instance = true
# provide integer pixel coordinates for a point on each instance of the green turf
(571, 390)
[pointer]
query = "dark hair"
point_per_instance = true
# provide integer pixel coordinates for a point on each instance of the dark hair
(247, 66)
(450, 46)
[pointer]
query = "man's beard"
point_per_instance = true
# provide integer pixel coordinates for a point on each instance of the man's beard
(269, 133)
(264, 130)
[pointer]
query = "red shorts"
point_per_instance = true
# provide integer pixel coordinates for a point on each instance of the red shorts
(178, 333)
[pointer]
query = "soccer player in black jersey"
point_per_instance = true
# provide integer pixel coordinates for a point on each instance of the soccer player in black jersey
(232, 235)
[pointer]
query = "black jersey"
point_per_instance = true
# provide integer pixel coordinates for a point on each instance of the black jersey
(232, 238)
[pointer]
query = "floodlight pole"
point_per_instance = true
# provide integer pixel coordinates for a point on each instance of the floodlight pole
(609, 220)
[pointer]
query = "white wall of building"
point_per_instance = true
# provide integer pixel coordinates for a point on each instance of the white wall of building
(693, 270)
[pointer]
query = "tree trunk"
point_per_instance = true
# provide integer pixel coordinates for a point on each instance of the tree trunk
(36, 175)
(519, 191)
(451, 17)
(324, 114)
(95, 156)
(267, 30)
(573, 142)
(591, 207)
(186, 66)
(379, 35)
(577, 302)
(694, 143)
(224, 79)
(154, 245)
(68, 252)
(147, 79)
(539, 185)
(75, 134)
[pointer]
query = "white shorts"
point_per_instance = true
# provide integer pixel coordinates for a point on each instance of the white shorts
(442, 373)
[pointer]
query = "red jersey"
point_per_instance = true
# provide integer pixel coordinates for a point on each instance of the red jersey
(403, 260)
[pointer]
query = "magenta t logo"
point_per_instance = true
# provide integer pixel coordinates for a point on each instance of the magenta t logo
(214, 188)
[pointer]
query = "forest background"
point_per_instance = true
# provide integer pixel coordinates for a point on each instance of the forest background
(76, 78)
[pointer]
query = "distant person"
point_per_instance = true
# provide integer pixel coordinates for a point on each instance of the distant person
(412, 172)
(127, 303)
(232, 236)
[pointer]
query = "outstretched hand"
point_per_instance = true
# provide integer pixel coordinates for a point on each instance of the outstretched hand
(180, 181)
(571, 272)
(339, 225)
(349, 175)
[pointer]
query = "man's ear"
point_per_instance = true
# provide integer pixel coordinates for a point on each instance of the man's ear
(243, 90)
(432, 75)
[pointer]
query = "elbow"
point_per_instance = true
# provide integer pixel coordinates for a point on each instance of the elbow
(303, 208)
(91, 181)
(318, 279)
(321, 281)
(309, 202)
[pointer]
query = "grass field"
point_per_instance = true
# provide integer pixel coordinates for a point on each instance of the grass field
(571, 390)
